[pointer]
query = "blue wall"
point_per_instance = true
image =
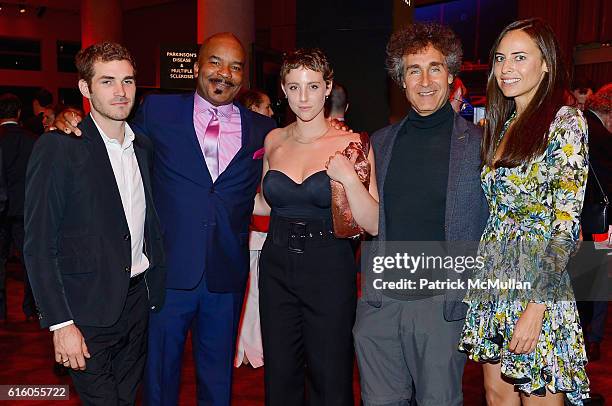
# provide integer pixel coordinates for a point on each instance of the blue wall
(461, 16)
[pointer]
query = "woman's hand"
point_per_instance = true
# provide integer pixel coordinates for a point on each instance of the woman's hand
(341, 169)
(527, 330)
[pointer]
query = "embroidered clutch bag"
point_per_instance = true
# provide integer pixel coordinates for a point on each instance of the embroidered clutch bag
(345, 225)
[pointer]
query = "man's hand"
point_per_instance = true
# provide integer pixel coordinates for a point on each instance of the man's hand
(527, 330)
(70, 347)
(67, 122)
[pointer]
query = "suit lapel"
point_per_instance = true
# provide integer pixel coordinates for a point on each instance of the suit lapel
(143, 166)
(387, 154)
(103, 171)
(459, 140)
(190, 132)
(245, 125)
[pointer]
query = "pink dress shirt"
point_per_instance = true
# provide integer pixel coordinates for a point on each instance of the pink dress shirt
(230, 128)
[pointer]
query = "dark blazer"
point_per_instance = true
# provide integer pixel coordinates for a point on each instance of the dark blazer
(16, 143)
(466, 206)
(205, 224)
(77, 242)
(600, 157)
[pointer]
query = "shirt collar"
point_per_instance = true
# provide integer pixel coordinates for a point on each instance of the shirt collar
(9, 122)
(202, 105)
(127, 139)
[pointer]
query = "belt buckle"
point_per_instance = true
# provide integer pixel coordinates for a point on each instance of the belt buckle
(296, 238)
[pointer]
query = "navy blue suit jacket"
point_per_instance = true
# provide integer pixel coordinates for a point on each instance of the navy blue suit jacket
(205, 224)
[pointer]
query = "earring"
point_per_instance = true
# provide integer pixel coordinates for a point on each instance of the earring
(326, 97)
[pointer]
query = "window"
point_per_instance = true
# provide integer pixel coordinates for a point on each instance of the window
(66, 51)
(19, 54)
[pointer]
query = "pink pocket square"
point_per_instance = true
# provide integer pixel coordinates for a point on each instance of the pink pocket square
(258, 154)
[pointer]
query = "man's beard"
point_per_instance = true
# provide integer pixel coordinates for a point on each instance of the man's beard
(229, 84)
(108, 113)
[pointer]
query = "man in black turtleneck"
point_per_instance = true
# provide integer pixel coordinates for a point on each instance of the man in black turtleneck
(427, 168)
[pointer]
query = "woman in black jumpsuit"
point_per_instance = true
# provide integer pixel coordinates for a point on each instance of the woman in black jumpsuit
(307, 275)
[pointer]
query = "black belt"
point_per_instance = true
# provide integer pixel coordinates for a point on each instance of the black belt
(296, 233)
(137, 279)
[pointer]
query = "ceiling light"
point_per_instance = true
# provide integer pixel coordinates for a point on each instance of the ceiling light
(22, 9)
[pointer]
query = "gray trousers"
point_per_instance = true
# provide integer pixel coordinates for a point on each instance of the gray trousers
(406, 350)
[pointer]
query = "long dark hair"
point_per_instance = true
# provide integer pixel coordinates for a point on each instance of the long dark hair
(528, 136)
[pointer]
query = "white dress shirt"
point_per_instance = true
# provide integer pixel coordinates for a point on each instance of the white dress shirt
(131, 189)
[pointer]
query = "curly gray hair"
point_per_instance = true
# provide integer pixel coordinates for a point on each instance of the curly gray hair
(416, 37)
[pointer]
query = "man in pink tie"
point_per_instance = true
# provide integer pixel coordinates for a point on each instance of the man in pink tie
(205, 179)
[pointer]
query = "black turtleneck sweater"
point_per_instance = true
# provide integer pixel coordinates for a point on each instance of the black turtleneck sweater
(416, 182)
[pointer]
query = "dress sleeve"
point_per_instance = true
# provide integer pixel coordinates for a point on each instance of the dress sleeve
(567, 161)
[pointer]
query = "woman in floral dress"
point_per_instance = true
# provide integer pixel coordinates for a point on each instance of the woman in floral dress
(534, 175)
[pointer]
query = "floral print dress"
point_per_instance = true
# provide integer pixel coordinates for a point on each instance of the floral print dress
(531, 232)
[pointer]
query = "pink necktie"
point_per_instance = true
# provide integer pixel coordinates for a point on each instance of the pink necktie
(211, 145)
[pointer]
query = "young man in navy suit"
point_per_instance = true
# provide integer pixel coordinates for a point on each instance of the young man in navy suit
(205, 176)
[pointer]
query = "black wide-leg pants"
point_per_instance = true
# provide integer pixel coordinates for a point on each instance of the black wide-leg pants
(307, 300)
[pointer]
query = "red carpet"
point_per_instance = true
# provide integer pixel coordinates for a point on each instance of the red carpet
(26, 357)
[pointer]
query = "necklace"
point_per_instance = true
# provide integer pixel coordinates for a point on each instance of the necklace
(297, 136)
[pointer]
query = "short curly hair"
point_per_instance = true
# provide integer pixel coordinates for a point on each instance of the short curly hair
(101, 52)
(415, 38)
(309, 58)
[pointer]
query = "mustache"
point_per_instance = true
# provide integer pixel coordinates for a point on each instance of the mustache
(120, 100)
(222, 81)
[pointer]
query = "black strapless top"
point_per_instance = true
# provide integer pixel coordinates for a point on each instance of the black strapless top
(307, 200)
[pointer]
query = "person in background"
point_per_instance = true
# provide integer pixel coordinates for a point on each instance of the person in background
(257, 101)
(534, 173)
(249, 348)
(581, 90)
(15, 145)
(459, 100)
(598, 114)
(337, 103)
(41, 104)
(457, 95)
(599, 106)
